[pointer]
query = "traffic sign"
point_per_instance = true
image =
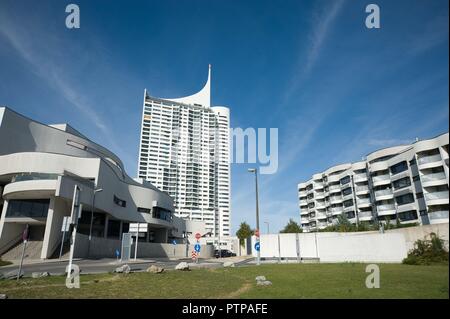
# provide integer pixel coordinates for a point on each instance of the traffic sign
(194, 255)
(198, 236)
(174, 242)
(66, 224)
(138, 227)
(197, 247)
(117, 253)
(257, 246)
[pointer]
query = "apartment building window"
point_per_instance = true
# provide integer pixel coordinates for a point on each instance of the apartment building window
(406, 216)
(144, 210)
(401, 183)
(345, 180)
(398, 168)
(348, 203)
(113, 228)
(119, 202)
(405, 199)
(37, 208)
(347, 191)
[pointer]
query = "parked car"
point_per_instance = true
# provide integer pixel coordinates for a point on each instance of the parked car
(223, 253)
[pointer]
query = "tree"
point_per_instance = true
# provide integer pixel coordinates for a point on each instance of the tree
(291, 227)
(244, 232)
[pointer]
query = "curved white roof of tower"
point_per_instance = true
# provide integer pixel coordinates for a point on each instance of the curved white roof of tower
(203, 97)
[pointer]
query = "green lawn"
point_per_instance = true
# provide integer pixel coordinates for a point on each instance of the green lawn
(289, 281)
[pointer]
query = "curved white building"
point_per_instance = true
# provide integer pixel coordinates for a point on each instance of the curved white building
(408, 183)
(184, 151)
(39, 167)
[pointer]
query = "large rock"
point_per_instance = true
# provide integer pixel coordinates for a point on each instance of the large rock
(264, 283)
(3, 296)
(228, 264)
(155, 269)
(260, 278)
(182, 266)
(125, 269)
(40, 274)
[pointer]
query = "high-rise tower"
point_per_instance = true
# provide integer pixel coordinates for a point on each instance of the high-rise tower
(184, 150)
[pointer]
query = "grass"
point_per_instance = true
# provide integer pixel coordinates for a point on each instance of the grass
(289, 281)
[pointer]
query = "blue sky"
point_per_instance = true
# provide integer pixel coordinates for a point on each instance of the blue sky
(334, 89)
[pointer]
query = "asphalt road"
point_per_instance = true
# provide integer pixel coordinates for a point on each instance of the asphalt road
(90, 266)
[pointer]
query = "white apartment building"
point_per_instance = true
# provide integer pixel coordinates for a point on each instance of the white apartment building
(408, 183)
(184, 151)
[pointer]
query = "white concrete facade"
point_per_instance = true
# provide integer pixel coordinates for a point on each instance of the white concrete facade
(184, 151)
(39, 167)
(407, 183)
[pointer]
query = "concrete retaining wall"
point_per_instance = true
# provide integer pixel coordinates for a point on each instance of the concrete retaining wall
(392, 246)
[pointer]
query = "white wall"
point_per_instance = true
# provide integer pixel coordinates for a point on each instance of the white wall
(335, 247)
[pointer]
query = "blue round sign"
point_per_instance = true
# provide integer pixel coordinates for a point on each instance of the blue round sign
(257, 246)
(174, 242)
(197, 247)
(117, 253)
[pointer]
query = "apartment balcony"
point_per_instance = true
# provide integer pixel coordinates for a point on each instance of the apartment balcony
(384, 194)
(318, 185)
(334, 188)
(381, 180)
(387, 209)
(359, 190)
(321, 216)
(438, 216)
(437, 198)
(304, 212)
(365, 202)
(424, 160)
(433, 179)
(360, 177)
(320, 195)
(349, 208)
(335, 210)
(322, 225)
(335, 200)
(320, 205)
(365, 216)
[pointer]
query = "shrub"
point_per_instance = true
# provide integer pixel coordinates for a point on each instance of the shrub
(427, 251)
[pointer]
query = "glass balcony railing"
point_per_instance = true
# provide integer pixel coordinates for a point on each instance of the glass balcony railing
(364, 201)
(360, 177)
(383, 192)
(380, 178)
(433, 177)
(334, 187)
(33, 176)
(437, 195)
(441, 214)
(335, 209)
(382, 208)
(429, 159)
(364, 214)
(362, 188)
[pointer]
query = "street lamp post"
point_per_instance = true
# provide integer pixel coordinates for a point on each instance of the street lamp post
(92, 217)
(254, 170)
